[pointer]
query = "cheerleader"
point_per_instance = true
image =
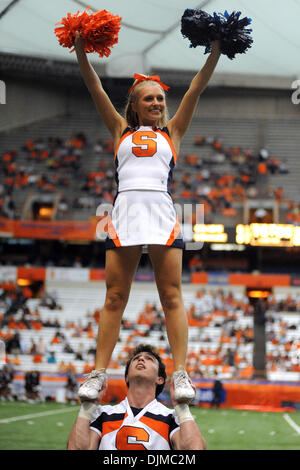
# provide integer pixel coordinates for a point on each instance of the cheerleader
(146, 147)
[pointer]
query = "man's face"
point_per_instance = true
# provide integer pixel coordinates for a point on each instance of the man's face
(144, 365)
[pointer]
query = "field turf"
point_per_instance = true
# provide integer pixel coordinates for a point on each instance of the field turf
(46, 426)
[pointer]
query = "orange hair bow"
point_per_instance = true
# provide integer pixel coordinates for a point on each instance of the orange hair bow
(141, 78)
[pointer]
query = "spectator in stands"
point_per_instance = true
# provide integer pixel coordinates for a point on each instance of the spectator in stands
(192, 160)
(32, 348)
(283, 167)
(51, 359)
(196, 263)
(57, 338)
(13, 345)
(16, 361)
(199, 140)
(68, 348)
(79, 355)
(145, 107)
(260, 215)
(273, 165)
(262, 171)
(145, 377)
(263, 155)
(278, 193)
(98, 146)
(40, 346)
(252, 192)
(37, 358)
(49, 300)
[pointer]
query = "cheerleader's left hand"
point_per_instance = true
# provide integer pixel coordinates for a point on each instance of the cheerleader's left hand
(216, 45)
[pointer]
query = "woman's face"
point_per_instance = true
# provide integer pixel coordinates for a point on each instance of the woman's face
(150, 104)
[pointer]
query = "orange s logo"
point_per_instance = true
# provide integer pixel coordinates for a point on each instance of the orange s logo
(142, 139)
(139, 434)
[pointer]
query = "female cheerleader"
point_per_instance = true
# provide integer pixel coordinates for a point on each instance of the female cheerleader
(146, 146)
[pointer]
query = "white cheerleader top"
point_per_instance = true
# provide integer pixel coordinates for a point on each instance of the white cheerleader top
(151, 429)
(144, 159)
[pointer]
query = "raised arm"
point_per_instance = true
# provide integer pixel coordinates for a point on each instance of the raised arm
(181, 120)
(81, 437)
(112, 119)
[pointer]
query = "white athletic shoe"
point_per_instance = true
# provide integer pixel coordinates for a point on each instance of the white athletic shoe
(184, 392)
(92, 385)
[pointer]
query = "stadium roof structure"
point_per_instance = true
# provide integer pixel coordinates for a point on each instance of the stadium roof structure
(150, 38)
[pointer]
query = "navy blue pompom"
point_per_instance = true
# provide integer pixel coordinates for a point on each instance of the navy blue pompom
(201, 29)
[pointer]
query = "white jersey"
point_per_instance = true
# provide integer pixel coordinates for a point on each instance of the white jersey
(145, 158)
(150, 429)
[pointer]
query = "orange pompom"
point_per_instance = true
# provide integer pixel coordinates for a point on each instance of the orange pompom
(99, 30)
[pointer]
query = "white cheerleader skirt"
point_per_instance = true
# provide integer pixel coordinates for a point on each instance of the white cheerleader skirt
(143, 218)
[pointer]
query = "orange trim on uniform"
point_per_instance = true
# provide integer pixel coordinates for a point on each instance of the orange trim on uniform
(110, 426)
(174, 234)
(112, 233)
(158, 426)
(121, 140)
(169, 140)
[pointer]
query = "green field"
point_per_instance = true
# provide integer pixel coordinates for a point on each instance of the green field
(45, 426)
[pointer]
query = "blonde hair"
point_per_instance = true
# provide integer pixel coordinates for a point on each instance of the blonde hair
(131, 116)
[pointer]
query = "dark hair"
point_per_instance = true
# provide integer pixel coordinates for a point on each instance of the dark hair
(161, 366)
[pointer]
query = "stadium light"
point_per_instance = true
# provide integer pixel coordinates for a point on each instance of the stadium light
(277, 235)
(213, 233)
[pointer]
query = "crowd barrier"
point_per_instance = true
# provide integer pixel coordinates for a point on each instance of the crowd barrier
(254, 394)
(260, 281)
(48, 230)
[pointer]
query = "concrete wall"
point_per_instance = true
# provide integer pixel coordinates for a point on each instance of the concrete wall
(30, 101)
(244, 103)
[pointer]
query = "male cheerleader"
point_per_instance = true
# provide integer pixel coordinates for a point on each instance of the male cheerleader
(139, 422)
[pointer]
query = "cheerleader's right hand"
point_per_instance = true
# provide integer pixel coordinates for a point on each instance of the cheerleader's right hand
(79, 41)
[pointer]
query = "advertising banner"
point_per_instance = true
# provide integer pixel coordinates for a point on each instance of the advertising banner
(68, 274)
